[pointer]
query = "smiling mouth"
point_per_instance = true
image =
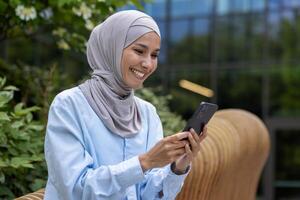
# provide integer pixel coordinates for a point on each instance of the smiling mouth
(137, 74)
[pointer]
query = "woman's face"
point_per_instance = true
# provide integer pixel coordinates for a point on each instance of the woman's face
(139, 60)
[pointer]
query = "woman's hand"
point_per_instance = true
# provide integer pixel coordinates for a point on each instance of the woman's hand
(191, 149)
(166, 151)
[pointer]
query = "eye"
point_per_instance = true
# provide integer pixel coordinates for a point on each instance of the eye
(154, 55)
(139, 51)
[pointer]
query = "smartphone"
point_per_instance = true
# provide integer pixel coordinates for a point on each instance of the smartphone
(201, 117)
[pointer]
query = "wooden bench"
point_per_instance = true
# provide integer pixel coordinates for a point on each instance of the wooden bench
(231, 160)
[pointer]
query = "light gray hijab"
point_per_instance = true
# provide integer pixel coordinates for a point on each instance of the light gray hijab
(105, 91)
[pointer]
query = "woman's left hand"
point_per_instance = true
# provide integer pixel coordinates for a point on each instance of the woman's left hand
(191, 149)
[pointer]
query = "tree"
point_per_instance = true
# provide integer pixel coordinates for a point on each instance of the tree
(43, 43)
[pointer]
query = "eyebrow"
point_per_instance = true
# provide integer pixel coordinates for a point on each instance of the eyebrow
(145, 46)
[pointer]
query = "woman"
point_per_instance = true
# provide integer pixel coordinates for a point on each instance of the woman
(102, 142)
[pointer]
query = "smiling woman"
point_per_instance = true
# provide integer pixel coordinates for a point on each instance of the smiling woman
(102, 142)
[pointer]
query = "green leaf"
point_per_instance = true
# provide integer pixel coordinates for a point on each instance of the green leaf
(27, 165)
(3, 6)
(18, 107)
(35, 127)
(138, 4)
(61, 3)
(3, 163)
(14, 3)
(39, 157)
(4, 116)
(5, 97)
(29, 117)
(13, 151)
(17, 162)
(2, 177)
(19, 111)
(37, 184)
(17, 124)
(2, 81)
(3, 140)
(11, 88)
(5, 191)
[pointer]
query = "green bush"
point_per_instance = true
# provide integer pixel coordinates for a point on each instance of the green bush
(22, 167)
(172, 122)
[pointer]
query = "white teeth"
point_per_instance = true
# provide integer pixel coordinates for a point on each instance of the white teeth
(137, 73)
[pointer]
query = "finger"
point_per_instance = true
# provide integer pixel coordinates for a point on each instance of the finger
(189, 152)
(183, 141)
(177, 136)
(177, 152)
(174, 155)
(178, 144)
(195, 135)
(204, 133)
(170, 146)
(192, 141)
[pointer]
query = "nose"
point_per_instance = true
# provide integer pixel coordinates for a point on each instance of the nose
(146, 64)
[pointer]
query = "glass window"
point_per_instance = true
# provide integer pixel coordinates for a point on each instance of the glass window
(257, 5)
(223, 39)
(289, 34)
(258, 23)
(223, 7)
(181, 41)
(291, 3)
(241, 5)
(163, 46)
(162, 58)
(156, 9)
(181, 7)
(201, 26)
(191, 7)
(203, 7)
(231, 38)
(274, 44)
(284, 91)
(236, 89)
(257, 42)
(179, 29)
(201, 41)
(273, 24)
(162, 27)
(274, 4)
(239, 41)
(226, 6)
(283, 34)
(288, 15)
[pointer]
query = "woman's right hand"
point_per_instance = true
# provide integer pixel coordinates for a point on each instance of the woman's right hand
(166, 151)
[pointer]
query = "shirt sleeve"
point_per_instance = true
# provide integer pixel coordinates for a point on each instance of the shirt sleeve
(160, 183)
(70, 166)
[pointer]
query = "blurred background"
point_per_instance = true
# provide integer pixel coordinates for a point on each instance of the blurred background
(236, 53)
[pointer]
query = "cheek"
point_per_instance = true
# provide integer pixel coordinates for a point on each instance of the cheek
(154, 66)
(125, 65)
(132, 60)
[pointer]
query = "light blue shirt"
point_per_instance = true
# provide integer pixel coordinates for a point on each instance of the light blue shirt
(86, 161)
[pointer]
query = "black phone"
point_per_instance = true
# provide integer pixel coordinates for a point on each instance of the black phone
(201, 117)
